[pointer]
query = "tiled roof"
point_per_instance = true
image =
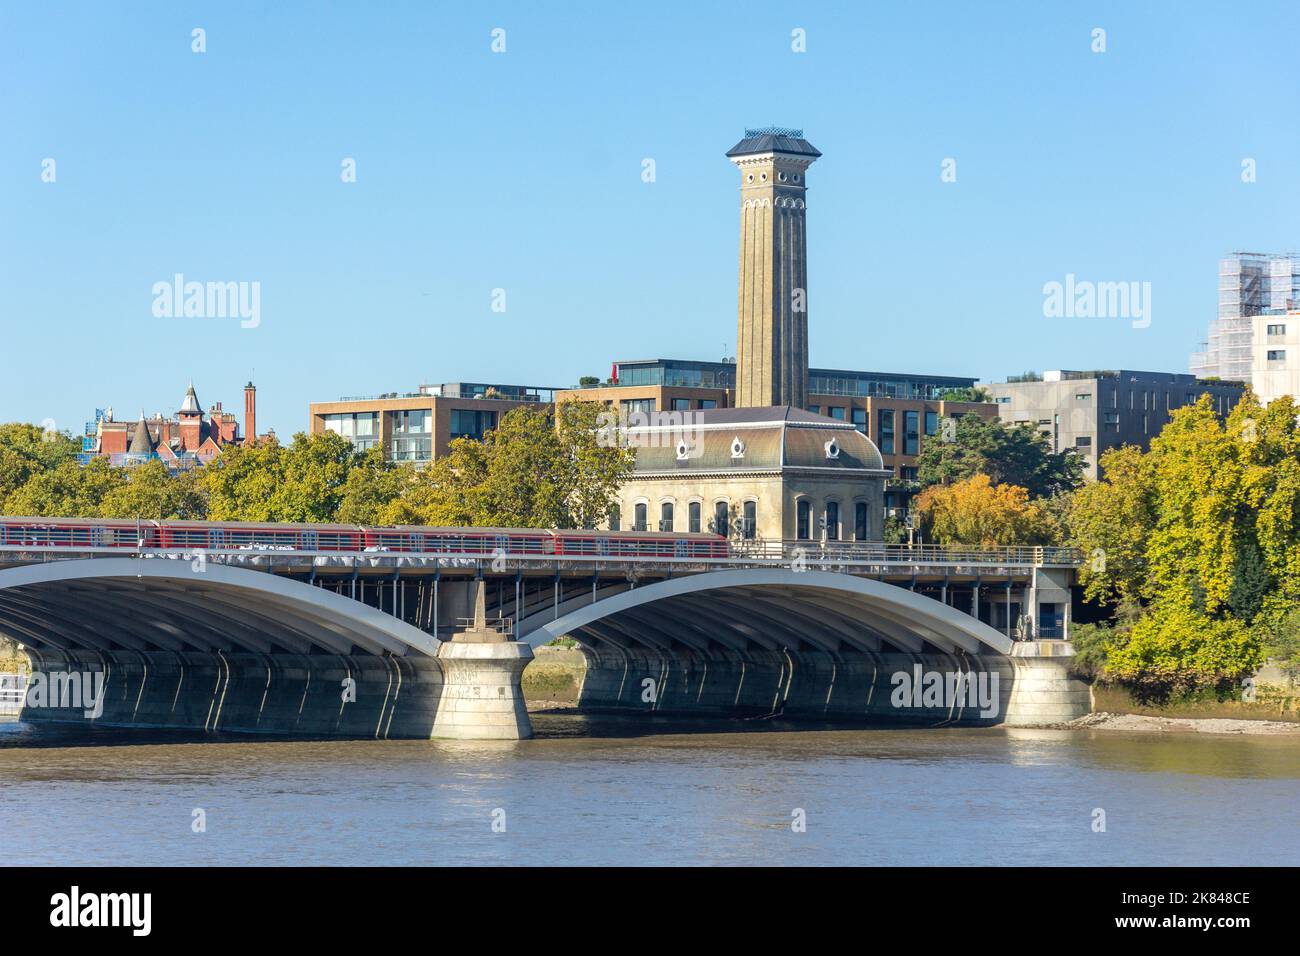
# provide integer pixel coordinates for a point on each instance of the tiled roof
(765, 141)
(772, 437)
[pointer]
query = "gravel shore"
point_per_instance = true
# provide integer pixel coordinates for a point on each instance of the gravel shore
(1183, 725)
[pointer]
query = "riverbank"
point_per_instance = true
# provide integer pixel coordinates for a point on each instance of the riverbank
(1142, 723)
(553, 679)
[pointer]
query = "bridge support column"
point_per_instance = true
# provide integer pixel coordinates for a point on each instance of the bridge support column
(481, 697)
(1043, 692)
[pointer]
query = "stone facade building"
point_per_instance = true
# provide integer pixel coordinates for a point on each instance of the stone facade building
(769, 474)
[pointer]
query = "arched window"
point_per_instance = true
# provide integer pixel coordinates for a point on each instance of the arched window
(721, 519)
(832, 521)
(639, 522)
(693, 517)
(615, 517)
(860, 521)
(803, 522)
(751, 519)
(666, 516)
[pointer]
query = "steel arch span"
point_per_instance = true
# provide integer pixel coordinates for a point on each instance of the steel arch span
(774, 609)
(99, 604)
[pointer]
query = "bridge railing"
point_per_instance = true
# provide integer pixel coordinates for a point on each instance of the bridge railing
(871, 552)
(48, 537)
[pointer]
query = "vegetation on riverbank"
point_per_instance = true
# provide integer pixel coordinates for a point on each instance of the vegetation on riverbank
(1196, 543)
(554, 676)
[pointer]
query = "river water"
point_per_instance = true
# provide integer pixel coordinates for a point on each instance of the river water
(633, 791)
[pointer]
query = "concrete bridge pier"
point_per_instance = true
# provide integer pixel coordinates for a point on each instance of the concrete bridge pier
(1043, 692)
(481, 695)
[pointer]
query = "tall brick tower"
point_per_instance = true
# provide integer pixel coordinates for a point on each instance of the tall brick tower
(250, 415)
(772, 340)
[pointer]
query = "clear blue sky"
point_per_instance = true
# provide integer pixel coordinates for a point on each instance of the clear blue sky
(523, 171)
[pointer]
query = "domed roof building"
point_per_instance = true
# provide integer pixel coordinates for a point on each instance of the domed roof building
(762, 473)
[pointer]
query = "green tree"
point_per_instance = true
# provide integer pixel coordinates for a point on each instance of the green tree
(1008, 454)
(1199, 529)
(1111, 522)
(67, 491)
(1175, 649)
(313, 473)
(26, 451)
(974, 393)
(539, 468)
(372, 485)
(242, 483)
(150, 491)
(302, 482)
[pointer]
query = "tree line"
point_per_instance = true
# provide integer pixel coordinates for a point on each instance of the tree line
(540, 468)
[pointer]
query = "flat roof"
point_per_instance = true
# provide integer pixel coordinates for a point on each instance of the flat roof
(835, 372)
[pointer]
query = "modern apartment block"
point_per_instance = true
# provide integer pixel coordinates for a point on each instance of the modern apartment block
(1275, 364)
(1089, 412)
(899, 412)
(418, 426)
(1250, 284)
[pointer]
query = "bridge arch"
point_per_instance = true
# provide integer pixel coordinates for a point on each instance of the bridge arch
(99, 604)
(774, 609)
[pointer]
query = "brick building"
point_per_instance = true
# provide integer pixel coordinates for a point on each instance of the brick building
(189, 438)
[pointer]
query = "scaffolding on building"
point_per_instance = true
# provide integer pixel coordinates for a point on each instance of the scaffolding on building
(1250, 284)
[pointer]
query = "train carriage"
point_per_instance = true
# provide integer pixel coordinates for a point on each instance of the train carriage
(97, 534)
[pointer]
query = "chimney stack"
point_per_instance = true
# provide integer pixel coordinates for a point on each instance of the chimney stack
(250, 415)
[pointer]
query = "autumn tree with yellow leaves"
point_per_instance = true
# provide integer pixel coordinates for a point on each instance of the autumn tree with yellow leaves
(976, 513)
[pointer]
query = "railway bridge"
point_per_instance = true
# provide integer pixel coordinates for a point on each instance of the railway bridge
(418, 632)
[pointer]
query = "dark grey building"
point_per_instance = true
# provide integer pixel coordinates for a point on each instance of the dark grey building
(1093, 411)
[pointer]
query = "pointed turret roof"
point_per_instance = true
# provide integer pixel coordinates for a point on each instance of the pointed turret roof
(141, 441)
(191, 404)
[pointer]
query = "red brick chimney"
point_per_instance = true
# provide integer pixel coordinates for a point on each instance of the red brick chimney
(250, 415)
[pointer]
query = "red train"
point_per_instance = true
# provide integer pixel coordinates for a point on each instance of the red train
(243, 535)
